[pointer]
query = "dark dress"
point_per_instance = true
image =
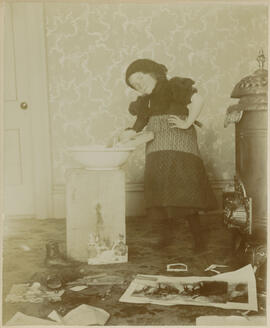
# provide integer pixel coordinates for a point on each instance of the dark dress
(175, 180)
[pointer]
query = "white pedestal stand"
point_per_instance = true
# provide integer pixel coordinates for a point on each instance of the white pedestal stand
(95, 204)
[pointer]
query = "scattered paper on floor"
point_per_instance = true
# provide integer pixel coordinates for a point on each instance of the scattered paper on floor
(231, 290)
(85, 315)
(32, 293)
(25, 248)
(21, 319)
(78, 288)
(232, 320)
(55, 316)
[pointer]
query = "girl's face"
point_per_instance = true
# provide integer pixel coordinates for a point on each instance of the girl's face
(143, 83)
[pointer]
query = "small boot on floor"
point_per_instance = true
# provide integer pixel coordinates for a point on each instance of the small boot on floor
(196, 231)
(53, 255)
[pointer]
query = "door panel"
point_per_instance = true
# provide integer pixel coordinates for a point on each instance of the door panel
(9, 67)
(18, 156)
(13, 158)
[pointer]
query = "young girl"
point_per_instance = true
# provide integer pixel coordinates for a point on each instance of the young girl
(175, 183)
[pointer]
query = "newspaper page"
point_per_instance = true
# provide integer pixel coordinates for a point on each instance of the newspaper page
(231, 290)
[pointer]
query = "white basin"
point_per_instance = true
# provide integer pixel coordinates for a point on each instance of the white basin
(100, 157)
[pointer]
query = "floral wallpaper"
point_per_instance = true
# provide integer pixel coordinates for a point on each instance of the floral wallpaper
(89, 47)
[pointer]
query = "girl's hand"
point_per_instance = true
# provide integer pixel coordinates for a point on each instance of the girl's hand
(120, 137)
(194, 107)
(177, 122)
(126, 135)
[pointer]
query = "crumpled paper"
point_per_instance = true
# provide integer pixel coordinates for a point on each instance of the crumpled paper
(21, 319)
(33, 294)
(83, 315)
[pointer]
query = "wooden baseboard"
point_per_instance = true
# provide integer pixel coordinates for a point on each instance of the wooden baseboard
(19, 217)
(134, 198)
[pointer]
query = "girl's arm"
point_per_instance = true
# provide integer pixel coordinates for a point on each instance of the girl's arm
(195, 108)
(140, 109)
(138, 126)
(140, 123)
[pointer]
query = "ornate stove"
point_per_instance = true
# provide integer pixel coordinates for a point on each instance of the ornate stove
(245, 207)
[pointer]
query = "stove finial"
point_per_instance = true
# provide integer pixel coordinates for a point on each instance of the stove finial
(261, 59)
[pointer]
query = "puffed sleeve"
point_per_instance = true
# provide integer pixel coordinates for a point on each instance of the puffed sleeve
(141, 110)
(182, 90)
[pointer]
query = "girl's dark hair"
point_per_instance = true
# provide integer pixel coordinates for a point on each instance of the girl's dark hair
(148, 66)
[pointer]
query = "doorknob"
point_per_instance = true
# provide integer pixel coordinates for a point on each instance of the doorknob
(24, 105)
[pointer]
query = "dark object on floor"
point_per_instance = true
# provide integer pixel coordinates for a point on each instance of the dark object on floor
(100, 279)
(207, 288)
(53, 255)
(54, 282)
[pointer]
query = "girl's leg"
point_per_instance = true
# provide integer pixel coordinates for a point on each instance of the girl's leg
(162, 225)
(169, 224)
(166, 232)
(196, 231)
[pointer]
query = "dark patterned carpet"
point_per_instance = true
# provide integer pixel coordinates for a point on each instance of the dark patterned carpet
(22, 265)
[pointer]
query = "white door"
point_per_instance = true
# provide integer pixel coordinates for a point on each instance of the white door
(18, 132)
(27, 144)
(18, 152)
